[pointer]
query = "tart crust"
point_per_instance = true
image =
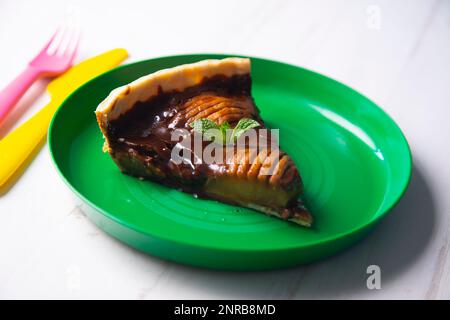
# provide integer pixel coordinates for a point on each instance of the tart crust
(274, 195)
(178, 78)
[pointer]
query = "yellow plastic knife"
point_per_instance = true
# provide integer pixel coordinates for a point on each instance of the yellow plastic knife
(19, 147)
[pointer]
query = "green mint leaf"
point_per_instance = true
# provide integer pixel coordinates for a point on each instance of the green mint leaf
(203, 126)
(210, 130)
(223, 130)
(242, 126)
(213, 134)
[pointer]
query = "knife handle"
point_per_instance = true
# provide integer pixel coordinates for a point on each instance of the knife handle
(23, 143)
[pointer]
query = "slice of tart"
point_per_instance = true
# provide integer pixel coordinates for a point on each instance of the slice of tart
(140, 120)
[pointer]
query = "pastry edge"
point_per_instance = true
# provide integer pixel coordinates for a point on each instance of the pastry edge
(302, 217)
(178, 78)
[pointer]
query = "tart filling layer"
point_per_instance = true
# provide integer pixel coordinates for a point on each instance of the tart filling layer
(139, 121)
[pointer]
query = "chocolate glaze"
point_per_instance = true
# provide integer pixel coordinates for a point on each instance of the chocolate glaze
(148, 126)
(145, 133)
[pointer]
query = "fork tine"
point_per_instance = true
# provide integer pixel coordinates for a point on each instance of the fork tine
(48, 44)
(72, 49)
(56, 40)
(68, 49)
(64, 41)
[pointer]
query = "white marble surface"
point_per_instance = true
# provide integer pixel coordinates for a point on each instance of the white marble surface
(395, 52)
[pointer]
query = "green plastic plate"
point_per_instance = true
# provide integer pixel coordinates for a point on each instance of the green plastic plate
(354, 160)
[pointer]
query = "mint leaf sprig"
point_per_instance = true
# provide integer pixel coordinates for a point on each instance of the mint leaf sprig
(213, 132)
(242, 126)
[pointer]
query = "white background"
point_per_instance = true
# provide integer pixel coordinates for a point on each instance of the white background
(395, 52)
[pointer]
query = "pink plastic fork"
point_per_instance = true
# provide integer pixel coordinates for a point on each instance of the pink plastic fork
(55, 58)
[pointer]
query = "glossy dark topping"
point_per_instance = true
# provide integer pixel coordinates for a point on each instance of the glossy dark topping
(146, 130)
